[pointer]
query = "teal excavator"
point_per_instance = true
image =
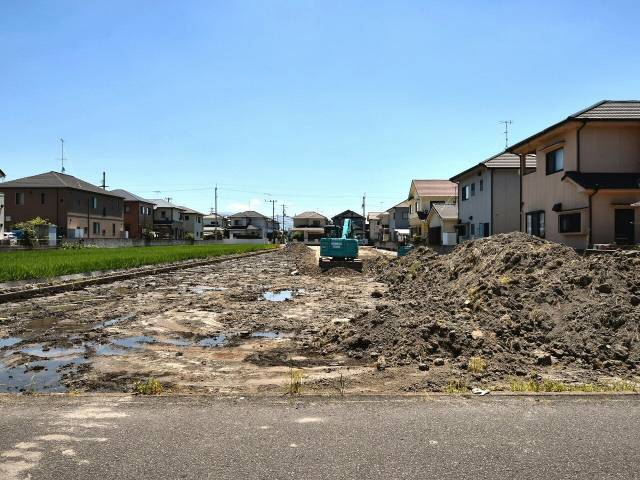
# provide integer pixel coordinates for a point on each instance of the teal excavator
(339, 251)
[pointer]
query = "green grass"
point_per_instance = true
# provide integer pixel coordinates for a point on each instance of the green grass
(516, 385)
(32, 264)
(149, 387)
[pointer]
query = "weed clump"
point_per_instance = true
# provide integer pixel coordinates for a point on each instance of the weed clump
(149, 387)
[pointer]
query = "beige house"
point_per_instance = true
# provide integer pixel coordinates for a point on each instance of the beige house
(442, 221)
(309, 227)
(423, 194)
(373, 219)
(587, 177)
(193, 222)
(489, 196)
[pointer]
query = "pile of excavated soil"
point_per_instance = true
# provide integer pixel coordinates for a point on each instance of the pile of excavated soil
(515, 301)
(303, 257)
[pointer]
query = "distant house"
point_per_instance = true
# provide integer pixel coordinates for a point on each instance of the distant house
(192, 222)
(424, 194)
(357, 222)
(587, 177)
(310, 226)
(373, 219)
(168, 219)
(399, 222)
(78, 208)
(489, 196)
(251, 225)
(442, 220)
(214, 225)
(138, 214)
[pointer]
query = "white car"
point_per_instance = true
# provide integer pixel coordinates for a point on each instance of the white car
(9, 236)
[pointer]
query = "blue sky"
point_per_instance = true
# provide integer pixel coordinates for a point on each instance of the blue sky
(311, 103)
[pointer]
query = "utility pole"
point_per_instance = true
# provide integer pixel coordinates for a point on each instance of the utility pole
(283, 215)
(104, 180)
(215, 194)
(62, 154)
(273, 219)
(364, 217)
(506, 132)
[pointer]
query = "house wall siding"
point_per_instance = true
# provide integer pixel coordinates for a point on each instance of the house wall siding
(505, 194)
(610, 148)
(477, 208)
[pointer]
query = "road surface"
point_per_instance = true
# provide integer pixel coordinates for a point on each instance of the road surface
(120, 437)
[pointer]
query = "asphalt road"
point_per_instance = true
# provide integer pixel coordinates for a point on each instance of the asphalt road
(118, 437)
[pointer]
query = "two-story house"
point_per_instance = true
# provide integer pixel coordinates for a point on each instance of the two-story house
(138, 214)
(193, 222)
(423, 194)
(78, 208)
(587, 177)
(214, 226)
(399, 222)
(489, 196)
(357, 222)
(309, 227)
(251, 225)
(373, 219)
(168, 219)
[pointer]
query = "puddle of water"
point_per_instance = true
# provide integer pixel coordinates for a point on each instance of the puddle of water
(114, 321)
(280, 296)
(26, 377)
(133, 342)
(215, 341)
(9, 342)
(180, 342)
(40, 351)
(104, 350)
(266, 334)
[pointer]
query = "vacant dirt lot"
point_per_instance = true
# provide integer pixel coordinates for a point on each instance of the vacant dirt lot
(238, 326)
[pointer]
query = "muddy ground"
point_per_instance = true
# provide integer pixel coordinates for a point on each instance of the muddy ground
(525, 309)
(233, 327)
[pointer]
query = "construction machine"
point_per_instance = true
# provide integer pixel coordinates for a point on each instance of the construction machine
(339, 251)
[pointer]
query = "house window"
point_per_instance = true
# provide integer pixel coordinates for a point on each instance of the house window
(19, 198)
(569, 223)
(163, 213)
(42, 198)
(465, 192)
(113, 229)
(104, 211)
(186, 217)
(483, 229)
(473, 229)
(555, 161)
(94, 202)
(473, 189)
(481, 185)
(96, 228)
(535, 223)
(405, 215)
(462, 230)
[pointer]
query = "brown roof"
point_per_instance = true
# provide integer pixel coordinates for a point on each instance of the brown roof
(191, 211)
(446, 211)
(56, 180)
(435, 188)
(130, 197)
(247, 214)
(310, 215)
(605, 180)
(403, 204)
(603, 110)
(348, 214)
(501, 160)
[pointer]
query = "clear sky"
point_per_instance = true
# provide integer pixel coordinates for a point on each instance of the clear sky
(311, 103)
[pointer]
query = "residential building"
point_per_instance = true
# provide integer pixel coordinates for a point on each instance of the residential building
(192, 221)
(373, 219)
(357, 222)
(399, 222)
(309, 227)
(168, 219)
(587, 177)
(251, 225)
(384, 232)
(489, 196)
(442, 221)
(423, 194)
(78, 208)
(1, 215)
(138, 214)
(214, 225)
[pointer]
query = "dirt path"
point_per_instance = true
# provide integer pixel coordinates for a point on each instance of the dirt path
(234, 327)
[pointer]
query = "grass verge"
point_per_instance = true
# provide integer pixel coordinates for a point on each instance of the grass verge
(516, 385)
(33, 264)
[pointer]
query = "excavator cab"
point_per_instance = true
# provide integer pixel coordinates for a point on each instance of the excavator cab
(340, 251)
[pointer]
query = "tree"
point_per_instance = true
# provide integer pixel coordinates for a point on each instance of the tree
(30, 230)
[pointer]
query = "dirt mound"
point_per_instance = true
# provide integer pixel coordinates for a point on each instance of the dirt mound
(511, 301)
(303, 256)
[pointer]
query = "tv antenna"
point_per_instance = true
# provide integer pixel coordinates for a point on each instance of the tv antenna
(62, 155)
(506, 132)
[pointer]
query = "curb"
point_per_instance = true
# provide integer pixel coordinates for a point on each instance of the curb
(154, 270)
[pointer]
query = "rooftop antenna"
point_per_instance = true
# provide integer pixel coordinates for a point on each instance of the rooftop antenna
(506, 132)
(62, 155)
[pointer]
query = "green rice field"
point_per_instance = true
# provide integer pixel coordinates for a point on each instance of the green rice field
(33, 264)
